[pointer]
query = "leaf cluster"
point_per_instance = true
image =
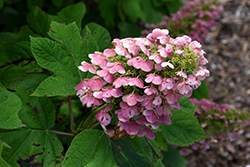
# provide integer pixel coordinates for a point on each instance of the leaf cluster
(39, 70)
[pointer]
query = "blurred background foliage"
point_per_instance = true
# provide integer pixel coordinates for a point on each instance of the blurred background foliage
(122, 18)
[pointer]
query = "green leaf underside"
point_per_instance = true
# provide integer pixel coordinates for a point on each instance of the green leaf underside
(172, 158)
(184, 130)
(10, 104)
(32, 146)
(95, 148)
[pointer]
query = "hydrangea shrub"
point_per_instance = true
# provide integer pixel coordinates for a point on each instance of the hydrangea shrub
(141, 79)
(219, 121)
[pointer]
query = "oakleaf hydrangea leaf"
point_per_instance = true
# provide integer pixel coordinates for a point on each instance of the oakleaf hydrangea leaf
(89, 148)
(159, 163)
(60, 58)
(184, 130)
(134, 155)
(186, 105)
(172, 158)
(69, 14)
(10, 104)
(2, 161)
(32, 146)
(35, 144)
(13, 51)
(201, 92)
(95, 148)
(25, 76)
(100, 34)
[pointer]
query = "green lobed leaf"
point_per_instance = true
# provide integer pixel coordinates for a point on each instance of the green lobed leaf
(13, 51)
(69, 14)
(101, 36)
(26, 76)
(89, 148)
(126, 28)
(201, 91)
(58, 59)
(10, 104)
(173, 6)
(172, 158)
(184, 130)
(1, 3)
(161, 141)
(36, 18)
(133, 10)
(70, 39)
(108, 11)
(36, 112)
(2, 161)
(134, 155)
(186, 105)
(31, 3)
(95, 148)
(34, 145)
(153, 15)
(4, 144)
(159, 163)
(151, 149)
(58, 3)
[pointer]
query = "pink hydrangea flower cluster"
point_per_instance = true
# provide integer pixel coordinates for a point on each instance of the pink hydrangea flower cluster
(219, 122)
(195, 19)
(141, 79)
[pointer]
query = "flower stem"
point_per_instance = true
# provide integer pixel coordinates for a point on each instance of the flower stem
(70, 110)
(90, 121)
(62, 133)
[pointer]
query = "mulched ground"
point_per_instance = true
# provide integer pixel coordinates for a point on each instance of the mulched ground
(228, 52)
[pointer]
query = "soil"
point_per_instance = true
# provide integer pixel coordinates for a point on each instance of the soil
(227, 49)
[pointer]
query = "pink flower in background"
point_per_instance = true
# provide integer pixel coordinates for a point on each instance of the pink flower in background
(196, 18)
